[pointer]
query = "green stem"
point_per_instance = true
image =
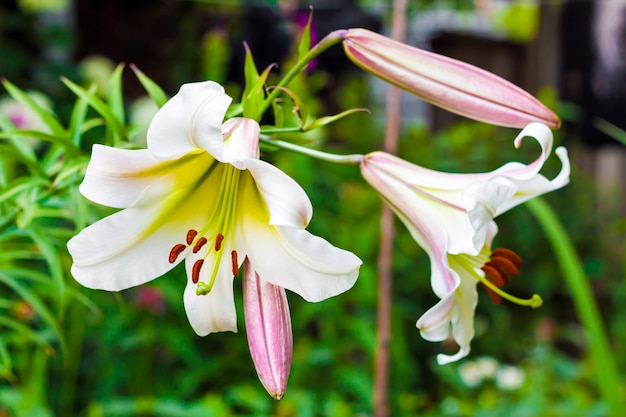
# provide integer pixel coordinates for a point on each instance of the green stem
(587, 309)
(328, 41)
(353, 159)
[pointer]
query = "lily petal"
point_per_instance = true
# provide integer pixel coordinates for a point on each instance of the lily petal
(466, 203)
(190, 120)
(274, 185)
(242, 141)
(116, 177)
(133, 246)
(115, 253)
(482, 202)
(299, 261)
(419, 207)
(215, 311)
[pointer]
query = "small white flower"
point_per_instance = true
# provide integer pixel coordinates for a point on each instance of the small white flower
(510, 378)
(471, 374)
(488, 366)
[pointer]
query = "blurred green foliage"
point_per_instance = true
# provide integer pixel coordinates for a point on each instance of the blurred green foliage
(70, 351)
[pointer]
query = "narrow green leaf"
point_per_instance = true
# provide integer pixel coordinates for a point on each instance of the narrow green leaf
(77, 119)
(610, 129)
(23, 330)
(54, 159)
(14, 255)
(154, 91)
(20, 149)
(53, 261)
(46, 116)
(22, 184)
(79, 208)
(605, 367)
(74, 167)
(36, 304)
(20, 145)
(113, 122)
(5, 361)
(90, 124)
(115, 98)
(39, 135)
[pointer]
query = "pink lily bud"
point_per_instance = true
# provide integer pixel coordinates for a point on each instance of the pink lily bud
(445, 82)
(268, 327)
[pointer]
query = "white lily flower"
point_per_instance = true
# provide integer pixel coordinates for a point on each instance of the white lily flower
(451, 217)
(200, 193)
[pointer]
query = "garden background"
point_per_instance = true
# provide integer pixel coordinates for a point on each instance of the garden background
(70, 351)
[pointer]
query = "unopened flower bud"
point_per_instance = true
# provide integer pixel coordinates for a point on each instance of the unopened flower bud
(445, 82)
(268, 328)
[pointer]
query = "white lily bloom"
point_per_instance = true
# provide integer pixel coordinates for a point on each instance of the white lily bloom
(200, 193)
(451, 217)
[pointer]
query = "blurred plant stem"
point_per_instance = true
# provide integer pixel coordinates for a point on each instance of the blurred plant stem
(586, 307)
(383, 316)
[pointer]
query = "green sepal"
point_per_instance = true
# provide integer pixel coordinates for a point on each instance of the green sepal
(254, 92)
(304, 44)
(279, 114)
(323, 121)
(234, 110)
(299, 107)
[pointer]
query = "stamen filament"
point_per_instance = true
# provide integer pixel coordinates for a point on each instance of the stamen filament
(535, 301)
(222, 217)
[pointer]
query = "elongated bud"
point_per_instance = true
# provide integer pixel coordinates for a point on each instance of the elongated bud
(445, 82)
(268, 328)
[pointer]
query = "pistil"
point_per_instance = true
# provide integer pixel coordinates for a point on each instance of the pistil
(498, 266)
(222, 219)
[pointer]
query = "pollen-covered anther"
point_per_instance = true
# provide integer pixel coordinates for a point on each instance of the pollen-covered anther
(177, 249)
(498, 270)
(191, 235)
(497, 279)
(199, 244)
(235, 263)
(508, 254)
(218, 241)
(195, 270)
